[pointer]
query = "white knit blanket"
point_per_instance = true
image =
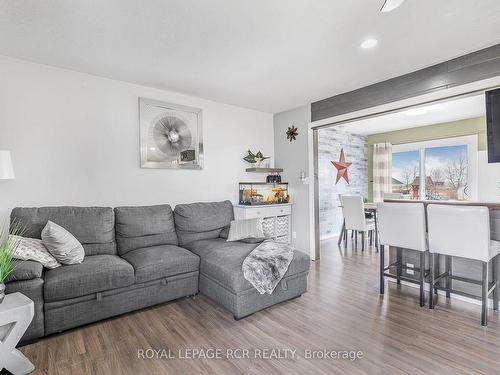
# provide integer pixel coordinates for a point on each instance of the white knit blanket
(266, 265)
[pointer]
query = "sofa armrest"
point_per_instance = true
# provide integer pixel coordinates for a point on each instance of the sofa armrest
(25, 270)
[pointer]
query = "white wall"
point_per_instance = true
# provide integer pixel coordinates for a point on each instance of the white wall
(75, 141)
(293, 158)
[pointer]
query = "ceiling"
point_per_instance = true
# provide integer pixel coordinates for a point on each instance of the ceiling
(269, 55)
(452, 110)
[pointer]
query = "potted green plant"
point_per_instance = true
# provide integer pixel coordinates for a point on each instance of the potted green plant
(255, 159)
(8, 245)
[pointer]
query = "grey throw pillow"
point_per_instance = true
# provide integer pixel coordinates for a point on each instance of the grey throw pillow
(248, 228)
(62, 244)
(33, 249)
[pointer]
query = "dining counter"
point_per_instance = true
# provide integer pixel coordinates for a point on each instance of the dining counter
(491, 205)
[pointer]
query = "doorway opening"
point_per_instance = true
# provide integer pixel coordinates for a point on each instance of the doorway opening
(437, 151)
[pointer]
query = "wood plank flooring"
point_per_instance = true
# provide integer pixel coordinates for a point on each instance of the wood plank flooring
(341, 311)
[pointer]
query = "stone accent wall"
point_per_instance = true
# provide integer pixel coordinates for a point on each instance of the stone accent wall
(331, 141)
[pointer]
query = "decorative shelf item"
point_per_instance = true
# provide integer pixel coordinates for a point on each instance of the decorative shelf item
(264, 170)
(256, 159)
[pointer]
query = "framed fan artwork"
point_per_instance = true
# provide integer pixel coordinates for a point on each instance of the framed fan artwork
(171, 135)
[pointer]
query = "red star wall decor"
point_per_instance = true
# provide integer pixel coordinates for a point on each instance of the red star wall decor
(341, 166)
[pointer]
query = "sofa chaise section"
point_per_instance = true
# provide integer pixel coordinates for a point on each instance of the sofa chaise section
(221, 277)
(202, 228)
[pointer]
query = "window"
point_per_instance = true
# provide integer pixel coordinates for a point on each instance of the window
(449, 166)
(405, 171)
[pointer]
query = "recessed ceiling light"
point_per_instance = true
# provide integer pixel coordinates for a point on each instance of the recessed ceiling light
(369, 43)
(422, 110)
(390, 5)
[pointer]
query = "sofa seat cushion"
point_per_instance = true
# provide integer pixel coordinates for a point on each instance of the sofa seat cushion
(96, 273)
(156, 262)
(221, 261)
(25, 270)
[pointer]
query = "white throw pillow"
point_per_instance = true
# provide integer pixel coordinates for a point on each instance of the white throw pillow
(248, 228)
(33, 249)
(62, 244)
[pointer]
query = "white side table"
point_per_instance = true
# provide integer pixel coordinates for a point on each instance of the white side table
(277, 219)
(16, 313)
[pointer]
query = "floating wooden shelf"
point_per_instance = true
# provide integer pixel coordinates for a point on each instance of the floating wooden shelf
(265, 170)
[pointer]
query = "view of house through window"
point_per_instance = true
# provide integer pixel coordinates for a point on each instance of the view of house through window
(446, 172)
(405, 173)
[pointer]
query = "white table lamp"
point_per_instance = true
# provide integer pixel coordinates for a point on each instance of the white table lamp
(6, 168)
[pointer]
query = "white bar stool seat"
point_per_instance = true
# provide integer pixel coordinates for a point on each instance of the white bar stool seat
(463, 231)
(402, 225)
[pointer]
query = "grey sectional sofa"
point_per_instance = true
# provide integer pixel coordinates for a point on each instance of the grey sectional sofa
(137, 257)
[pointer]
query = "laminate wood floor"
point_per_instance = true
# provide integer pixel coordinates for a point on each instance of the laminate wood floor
(341, 311)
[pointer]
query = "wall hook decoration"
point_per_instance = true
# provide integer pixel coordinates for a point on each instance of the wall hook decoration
(292, 133)
(341, 166)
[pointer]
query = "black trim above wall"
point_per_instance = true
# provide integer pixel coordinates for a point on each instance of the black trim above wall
(469, 68)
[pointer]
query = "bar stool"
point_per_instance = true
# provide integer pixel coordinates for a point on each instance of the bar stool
(353, 209)
(463, 231)
(402, 225)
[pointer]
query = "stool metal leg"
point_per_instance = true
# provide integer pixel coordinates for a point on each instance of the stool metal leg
(356, 240)
(437, 269)
(363, 241)
(431, 280)
(448, 272)
(495, 280)
(382, 266)
(484, 295)
(422, 273)
(399, 268)
(370, 234)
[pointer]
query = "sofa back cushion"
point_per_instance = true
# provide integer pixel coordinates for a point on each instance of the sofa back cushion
(201, 221)
(93, 227)
(138, 227)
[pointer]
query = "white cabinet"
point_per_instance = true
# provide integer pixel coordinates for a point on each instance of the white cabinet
(277, 221)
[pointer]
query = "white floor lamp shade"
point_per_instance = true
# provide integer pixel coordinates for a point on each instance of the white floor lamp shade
(6, 169)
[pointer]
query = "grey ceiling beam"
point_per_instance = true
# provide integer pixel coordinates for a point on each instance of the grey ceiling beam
(469, 68)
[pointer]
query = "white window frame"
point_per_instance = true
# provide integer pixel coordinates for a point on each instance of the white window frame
(472, 155)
